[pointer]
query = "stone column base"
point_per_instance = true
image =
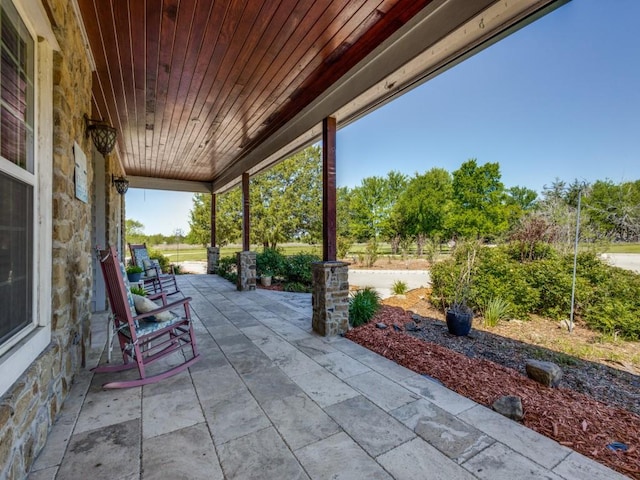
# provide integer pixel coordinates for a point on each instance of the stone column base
(330, 298)
(246, 271)
(213, 255)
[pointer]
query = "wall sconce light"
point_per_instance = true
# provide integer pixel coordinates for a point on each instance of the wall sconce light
(121, 184)
(103, 134)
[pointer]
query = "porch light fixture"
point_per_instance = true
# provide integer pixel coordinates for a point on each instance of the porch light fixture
(102, 134)
(121, 184)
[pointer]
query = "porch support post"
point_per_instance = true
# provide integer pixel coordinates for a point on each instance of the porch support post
(213, 252)
(329, 189)
(330, 296)
(245, 212)
(246, 260)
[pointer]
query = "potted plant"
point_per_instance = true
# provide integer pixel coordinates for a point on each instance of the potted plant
(134, 273)
(459, 315)
(265, 278)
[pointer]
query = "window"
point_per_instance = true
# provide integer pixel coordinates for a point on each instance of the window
(17, 175)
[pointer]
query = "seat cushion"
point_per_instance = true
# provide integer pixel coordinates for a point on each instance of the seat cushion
(144, 305)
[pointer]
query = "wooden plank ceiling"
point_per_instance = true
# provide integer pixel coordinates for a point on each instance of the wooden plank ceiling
(195, 86)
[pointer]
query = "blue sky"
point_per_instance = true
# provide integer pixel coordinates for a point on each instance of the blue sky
(560, 98)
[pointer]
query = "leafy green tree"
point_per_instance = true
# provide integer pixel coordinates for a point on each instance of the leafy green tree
(479, 208)
(424, 205)
(614, 210)
(200, 220)
(134, 231)
(371, 205)
(286, 200)
(523, 197)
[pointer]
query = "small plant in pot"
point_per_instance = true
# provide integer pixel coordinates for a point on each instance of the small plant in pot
(134, 273)
(459, 315)
(265, 278)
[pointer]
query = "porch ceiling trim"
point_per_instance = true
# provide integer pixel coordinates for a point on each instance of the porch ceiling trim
(153, 183)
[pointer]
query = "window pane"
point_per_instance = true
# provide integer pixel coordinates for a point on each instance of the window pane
(16, 88)
(16, 251)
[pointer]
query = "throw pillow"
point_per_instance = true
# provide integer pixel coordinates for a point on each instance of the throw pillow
(149, 268)
(144, 305)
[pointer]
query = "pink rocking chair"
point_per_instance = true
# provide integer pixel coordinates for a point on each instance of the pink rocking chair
(144, 338)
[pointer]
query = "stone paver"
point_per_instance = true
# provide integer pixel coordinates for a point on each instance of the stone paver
(271, 399)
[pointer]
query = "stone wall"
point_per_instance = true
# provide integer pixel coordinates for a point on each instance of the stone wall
(28, 410)
(330, 298)
(246, 262)
(213, 255)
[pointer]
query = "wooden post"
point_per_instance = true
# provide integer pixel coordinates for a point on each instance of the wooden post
(245, 212)
(213, 219)
(329, 189)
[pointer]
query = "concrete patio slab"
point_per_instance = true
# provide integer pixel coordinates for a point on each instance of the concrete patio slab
(372, 428)
(186, 453)
(339, 458)
(417, 460)
(269, 399)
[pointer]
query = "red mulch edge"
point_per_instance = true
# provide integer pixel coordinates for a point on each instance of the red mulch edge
(573, 419)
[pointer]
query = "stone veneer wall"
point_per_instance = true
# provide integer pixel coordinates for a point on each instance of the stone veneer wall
(246, 262)
(330, 298)
(213, 255)
(29, 408)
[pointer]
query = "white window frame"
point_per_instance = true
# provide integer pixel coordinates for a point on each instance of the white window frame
(21, 351)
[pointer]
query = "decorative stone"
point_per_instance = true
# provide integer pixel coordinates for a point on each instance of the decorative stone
(397, 327)
(546, 373)
(510, 406)
(411, 327)
(416, 318)
(381, 325)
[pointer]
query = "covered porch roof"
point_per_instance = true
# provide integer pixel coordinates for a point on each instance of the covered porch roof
(202, 91)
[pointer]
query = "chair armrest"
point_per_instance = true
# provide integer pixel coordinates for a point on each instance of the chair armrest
(155, 296)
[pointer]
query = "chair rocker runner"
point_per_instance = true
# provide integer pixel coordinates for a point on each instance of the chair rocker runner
(154, 280)
(144, 337)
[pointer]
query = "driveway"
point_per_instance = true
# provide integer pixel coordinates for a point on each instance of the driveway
(628, 261)
(383, 280)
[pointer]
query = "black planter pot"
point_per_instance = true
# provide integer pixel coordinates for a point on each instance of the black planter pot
(459, 323)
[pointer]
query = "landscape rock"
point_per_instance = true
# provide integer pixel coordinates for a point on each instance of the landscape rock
(411, 327)
(416, 318)
(381, 325)
(546, 373)
(397, 327)
(510, 406)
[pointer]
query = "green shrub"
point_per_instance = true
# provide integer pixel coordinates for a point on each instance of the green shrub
(227, 268)
(399, 287)
(138, 290)
(495, 310)
(498, 276)
(297, 287)
(363, 305)
(297, 268)
(163, 260)
(270, 261)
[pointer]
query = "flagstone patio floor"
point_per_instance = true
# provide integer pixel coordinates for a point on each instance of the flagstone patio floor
(272, 400)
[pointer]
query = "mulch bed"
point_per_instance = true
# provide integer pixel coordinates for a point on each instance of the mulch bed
(571, 418)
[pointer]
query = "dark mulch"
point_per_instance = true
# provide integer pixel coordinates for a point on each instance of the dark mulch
(567, 416)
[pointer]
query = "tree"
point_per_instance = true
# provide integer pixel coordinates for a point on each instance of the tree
(371, 205)
(614, 210)
(134, 231)
(423, 207)
(286, 200)
(478, 201)
(523, 197)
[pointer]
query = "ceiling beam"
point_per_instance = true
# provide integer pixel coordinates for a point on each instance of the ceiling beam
(153, 183)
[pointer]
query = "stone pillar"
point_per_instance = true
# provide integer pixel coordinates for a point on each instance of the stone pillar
(246, 271)
(213, 255)
(330, 298)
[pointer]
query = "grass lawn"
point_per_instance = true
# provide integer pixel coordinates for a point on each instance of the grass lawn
(624, 248)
